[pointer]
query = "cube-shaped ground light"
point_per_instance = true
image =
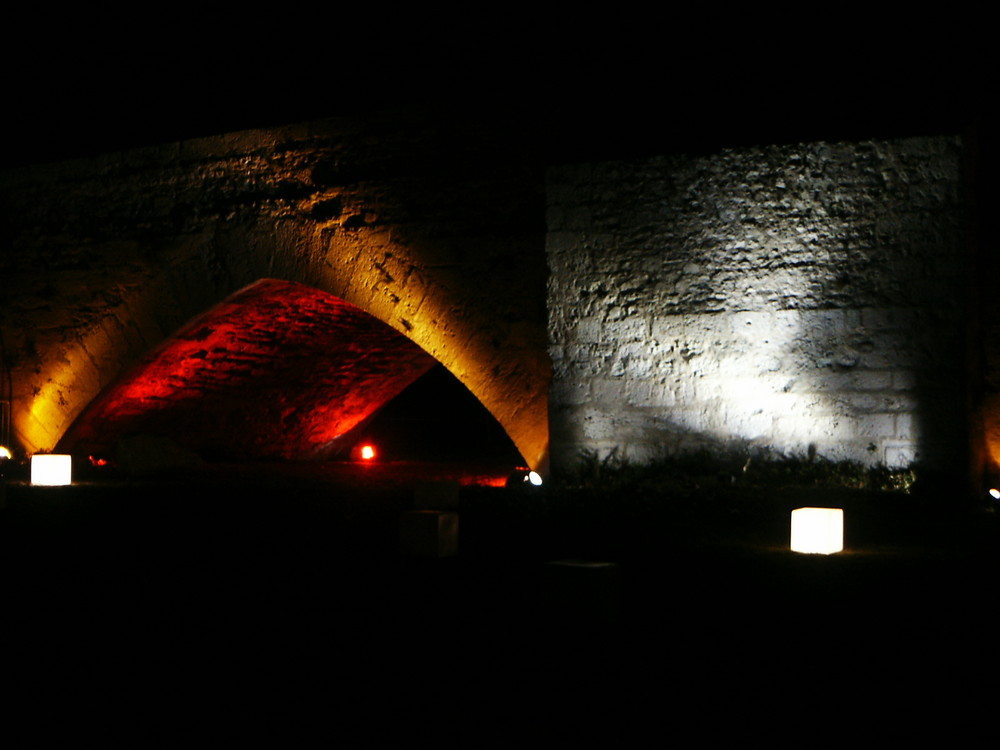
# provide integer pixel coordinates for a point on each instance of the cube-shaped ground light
(818, 530)
(51, 469)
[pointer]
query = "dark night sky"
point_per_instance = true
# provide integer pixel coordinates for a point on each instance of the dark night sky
(572, 93)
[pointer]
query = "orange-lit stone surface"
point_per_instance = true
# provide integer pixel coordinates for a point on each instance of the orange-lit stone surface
(277, 370)
(434, 228)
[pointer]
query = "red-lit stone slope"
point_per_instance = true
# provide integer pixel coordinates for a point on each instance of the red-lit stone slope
(278, 370)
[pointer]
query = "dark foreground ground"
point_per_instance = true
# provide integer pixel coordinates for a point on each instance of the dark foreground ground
(242, 606)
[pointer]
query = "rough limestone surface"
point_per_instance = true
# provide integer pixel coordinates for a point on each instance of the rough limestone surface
(791, 300)
(434, 228)
(276, 371)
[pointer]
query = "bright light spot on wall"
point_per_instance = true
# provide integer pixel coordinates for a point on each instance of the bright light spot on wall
(733, 383)
(817, 530)
(534, 478)
(995, 493)
(51, 469)
(5, 452)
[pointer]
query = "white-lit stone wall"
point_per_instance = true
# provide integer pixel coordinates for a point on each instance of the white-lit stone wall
(790, 300)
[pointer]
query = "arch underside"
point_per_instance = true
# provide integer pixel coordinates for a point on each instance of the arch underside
(426, 232)
(277, 371)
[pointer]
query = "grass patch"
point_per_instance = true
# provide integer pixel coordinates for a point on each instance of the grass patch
(606, 506)
(697, 474)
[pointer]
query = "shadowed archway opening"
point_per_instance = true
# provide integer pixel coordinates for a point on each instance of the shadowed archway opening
(282, 372)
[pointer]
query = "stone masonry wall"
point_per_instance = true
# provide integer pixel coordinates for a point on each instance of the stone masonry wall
(803, 299)
(434, 227)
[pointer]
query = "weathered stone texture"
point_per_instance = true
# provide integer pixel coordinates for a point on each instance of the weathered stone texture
(278, 370)
(789, 298)
(434, 228)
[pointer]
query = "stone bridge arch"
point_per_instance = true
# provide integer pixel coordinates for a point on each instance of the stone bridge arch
(431, 230)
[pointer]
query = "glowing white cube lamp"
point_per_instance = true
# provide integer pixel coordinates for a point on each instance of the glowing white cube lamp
(51, 469)
(818, 530)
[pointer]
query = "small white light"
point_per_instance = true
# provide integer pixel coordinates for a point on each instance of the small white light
(5, 452)
(995, 493)
(534, 478)
(51, 469)
(817, 530)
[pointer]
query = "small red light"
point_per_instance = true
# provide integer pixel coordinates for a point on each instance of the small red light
(97, 461)
(367, 452)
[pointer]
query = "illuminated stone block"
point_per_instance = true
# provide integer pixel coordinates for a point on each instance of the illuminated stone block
(429, 533)
(817, 530)
(51, 469)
